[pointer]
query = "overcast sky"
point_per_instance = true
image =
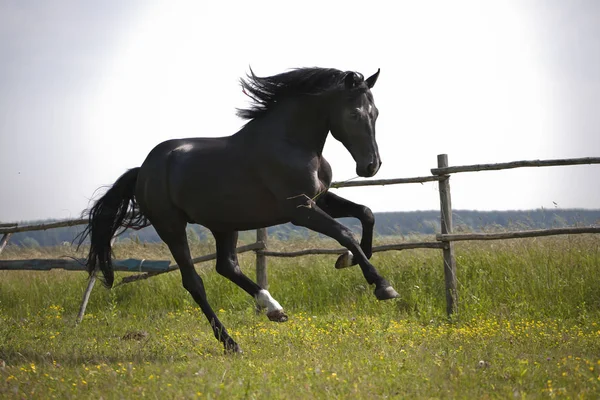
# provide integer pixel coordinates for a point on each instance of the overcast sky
(88, 88)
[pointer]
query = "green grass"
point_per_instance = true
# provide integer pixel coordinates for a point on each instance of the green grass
(528, 327)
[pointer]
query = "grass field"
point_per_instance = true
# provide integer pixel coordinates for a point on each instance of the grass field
(528, 327)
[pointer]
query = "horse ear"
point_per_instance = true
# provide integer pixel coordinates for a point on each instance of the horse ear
(351, 80)
(372, 79)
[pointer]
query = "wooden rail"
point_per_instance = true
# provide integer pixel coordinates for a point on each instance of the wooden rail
(129, 265)
(208, 257)
(16, 228)
(515, 164)
(387, 247)
(518, 234)
(383, 182)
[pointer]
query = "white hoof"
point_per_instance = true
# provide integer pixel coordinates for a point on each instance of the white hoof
(264, 300)
(344, 261)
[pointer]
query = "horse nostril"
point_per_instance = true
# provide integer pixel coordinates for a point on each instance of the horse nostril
(371, 168)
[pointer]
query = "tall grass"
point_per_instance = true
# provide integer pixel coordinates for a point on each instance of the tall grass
(534, 278)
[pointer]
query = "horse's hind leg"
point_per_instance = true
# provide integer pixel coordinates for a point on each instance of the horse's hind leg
(175, 237)
(338, 207)
(228, 266)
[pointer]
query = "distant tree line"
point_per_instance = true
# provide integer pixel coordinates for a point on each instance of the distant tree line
(387, 224)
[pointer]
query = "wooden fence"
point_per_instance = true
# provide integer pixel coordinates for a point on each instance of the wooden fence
(444, 240)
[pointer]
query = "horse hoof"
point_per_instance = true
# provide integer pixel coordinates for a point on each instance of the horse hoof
(344, 261)
(232, 348)
(277, 316)
(386, 293)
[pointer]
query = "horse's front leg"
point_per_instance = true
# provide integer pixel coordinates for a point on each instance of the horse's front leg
(308, 214)
(338, 207)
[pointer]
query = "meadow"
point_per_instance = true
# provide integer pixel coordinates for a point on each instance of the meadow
(528, 327)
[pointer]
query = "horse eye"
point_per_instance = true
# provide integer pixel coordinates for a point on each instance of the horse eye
(354, 115)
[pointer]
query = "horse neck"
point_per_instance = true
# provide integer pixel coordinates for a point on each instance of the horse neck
(303, 123)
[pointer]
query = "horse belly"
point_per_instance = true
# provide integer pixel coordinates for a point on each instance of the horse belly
(229, 211)
(226, 197)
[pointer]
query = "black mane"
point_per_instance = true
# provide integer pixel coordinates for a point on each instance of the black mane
(266, 91)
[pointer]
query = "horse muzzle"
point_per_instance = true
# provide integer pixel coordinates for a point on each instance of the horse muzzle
(368, 170)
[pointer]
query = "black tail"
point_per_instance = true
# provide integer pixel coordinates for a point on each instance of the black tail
(116, 209)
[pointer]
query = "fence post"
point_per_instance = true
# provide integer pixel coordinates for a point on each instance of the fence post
(86, 298)
(4, 241)
(448, 250)
(88, 290)
(261, 260)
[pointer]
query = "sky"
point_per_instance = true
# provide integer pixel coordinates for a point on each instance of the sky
(87, 89)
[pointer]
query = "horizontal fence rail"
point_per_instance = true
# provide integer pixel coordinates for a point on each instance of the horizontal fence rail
(208, 257)
(383, 182)
(444, 240)
(518, 234)
(387, 247)
(129, 265)
(515, 164)
(16, 228)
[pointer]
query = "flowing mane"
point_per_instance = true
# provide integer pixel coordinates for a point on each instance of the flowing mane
(266, 91)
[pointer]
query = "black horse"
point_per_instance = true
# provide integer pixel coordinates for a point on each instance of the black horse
(270, 172)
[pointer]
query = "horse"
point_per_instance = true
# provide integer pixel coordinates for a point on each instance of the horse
(270, 172)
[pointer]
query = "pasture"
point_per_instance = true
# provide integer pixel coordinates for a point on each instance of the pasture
(528, 327)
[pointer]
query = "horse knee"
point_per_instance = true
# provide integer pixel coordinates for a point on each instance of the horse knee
(368, 218)
(227, 269)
